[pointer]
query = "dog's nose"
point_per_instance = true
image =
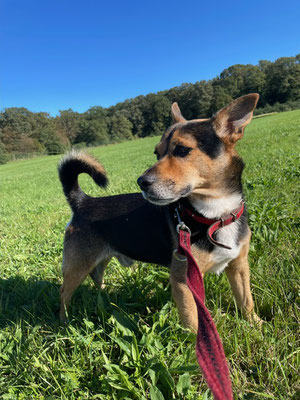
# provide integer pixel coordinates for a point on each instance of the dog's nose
(145, 181)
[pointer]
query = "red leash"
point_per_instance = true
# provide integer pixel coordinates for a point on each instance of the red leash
(209, 349)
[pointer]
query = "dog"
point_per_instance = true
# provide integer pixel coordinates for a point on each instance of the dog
(198, 170)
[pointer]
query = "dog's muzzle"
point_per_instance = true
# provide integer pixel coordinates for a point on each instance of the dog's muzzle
(144, 181)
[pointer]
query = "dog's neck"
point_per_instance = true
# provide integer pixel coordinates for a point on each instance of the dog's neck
(214, 208)
(222, 201)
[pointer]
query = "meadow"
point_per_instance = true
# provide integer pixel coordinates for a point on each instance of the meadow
(126, 342)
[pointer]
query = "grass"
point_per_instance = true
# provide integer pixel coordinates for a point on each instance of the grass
(126, 342)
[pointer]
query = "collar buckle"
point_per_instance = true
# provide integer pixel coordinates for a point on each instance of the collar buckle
(222, 222)
(233, 216)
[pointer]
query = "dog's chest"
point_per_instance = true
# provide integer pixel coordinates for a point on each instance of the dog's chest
(227, 235)
(220, 256)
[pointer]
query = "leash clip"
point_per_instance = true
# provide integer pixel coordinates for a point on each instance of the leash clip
(181, 225)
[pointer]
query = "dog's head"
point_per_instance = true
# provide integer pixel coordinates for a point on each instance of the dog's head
(198, 157)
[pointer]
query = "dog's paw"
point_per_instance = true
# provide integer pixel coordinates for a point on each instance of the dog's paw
(63, 317)
(254, 320)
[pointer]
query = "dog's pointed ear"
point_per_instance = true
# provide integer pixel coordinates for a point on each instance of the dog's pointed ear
(231, 120)
(176, 114)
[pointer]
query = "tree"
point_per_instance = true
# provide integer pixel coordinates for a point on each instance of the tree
(53, 144)
(196, 100)
(156, 112)
(92, 132)
(16, 126)
(3, 154)
(120, 128)
(47, 140)
(68, 121)
(282, 80)
(161, 107)
(19, 119)
(220, 98)
(92, 128)
(133, 110)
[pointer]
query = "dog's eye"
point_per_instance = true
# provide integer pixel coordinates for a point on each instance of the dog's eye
(181, 151)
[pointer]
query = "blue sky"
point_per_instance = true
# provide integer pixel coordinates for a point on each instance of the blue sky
(63, 54)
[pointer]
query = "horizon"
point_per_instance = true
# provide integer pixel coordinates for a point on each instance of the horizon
(66, 55)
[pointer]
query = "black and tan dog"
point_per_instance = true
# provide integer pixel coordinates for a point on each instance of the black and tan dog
(197, 169)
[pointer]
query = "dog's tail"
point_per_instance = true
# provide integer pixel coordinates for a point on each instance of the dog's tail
(73, 164)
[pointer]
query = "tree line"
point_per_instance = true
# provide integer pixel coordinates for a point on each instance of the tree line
(24, 133)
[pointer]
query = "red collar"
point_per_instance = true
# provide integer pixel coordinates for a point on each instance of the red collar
(214, 224)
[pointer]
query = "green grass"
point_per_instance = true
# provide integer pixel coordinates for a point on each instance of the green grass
(126, 342)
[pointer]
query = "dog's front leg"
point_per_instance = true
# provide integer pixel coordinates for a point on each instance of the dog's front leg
(182, 295)
(238, 275)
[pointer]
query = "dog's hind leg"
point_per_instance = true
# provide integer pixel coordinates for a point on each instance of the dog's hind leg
(98, 272)
(76, 267)
(124, 260)
(73, 275)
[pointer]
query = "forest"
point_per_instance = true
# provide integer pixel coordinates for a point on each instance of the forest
(24, 133)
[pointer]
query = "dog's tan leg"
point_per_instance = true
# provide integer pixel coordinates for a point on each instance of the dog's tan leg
(98, 272)
(73, 277)
(239, 277)
(76, 268)
(182, 295)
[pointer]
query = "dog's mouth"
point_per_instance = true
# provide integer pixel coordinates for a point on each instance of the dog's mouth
(165, 201)
(158, 201)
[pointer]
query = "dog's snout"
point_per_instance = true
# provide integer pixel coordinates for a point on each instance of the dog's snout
(145, 181)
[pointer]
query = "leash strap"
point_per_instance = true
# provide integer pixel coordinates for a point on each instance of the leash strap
(209, 350)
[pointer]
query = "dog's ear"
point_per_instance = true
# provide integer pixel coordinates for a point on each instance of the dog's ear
(176, 114)
(231, 120)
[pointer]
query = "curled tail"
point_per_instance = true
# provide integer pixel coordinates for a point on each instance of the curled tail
(73, 164)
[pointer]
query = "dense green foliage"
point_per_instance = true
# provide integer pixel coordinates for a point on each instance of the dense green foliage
(23, 132)
(126, 341)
